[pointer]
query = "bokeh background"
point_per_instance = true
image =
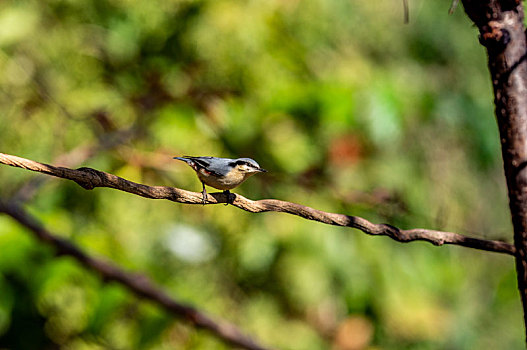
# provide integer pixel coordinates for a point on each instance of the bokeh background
(351, 111)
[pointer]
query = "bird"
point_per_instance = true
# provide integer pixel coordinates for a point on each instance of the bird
(222, 173)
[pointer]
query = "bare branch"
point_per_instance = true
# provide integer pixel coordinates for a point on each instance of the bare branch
(138, 284)
(90, 178)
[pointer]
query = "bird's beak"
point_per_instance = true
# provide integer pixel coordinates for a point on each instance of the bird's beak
(262, 170)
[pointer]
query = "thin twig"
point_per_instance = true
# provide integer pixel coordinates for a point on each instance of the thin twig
(406, 12)
(90, 178)
(453, 6)
(138, 284)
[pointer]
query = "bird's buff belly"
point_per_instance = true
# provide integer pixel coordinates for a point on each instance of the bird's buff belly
(221, 183)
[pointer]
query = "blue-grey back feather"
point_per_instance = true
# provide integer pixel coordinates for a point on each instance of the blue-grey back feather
(215, 165)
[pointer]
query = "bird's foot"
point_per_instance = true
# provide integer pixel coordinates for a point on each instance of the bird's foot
(230, 197)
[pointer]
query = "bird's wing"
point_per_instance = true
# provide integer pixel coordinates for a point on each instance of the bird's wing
(205, 163)
(202, 162)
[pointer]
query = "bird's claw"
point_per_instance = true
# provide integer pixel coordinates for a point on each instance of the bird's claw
(230, 197)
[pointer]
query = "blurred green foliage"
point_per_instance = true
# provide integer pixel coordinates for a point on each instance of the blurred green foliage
(350, 109)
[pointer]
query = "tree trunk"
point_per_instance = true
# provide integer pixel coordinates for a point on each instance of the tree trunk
(500, 23)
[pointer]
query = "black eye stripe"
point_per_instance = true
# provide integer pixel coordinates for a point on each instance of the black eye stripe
(242, 162)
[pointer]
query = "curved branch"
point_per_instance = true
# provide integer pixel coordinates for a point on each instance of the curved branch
(90, 178)
(138, 284)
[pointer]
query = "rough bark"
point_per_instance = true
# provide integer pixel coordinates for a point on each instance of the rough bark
(502, 33)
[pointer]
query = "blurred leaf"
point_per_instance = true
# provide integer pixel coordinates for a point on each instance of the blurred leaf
(350, 109)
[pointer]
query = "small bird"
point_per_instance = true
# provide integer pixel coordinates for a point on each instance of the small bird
(222, 173)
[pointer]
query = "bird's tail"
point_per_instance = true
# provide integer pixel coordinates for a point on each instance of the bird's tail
(185, 159)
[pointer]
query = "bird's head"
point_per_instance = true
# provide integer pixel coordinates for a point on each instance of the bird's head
(248, 166)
